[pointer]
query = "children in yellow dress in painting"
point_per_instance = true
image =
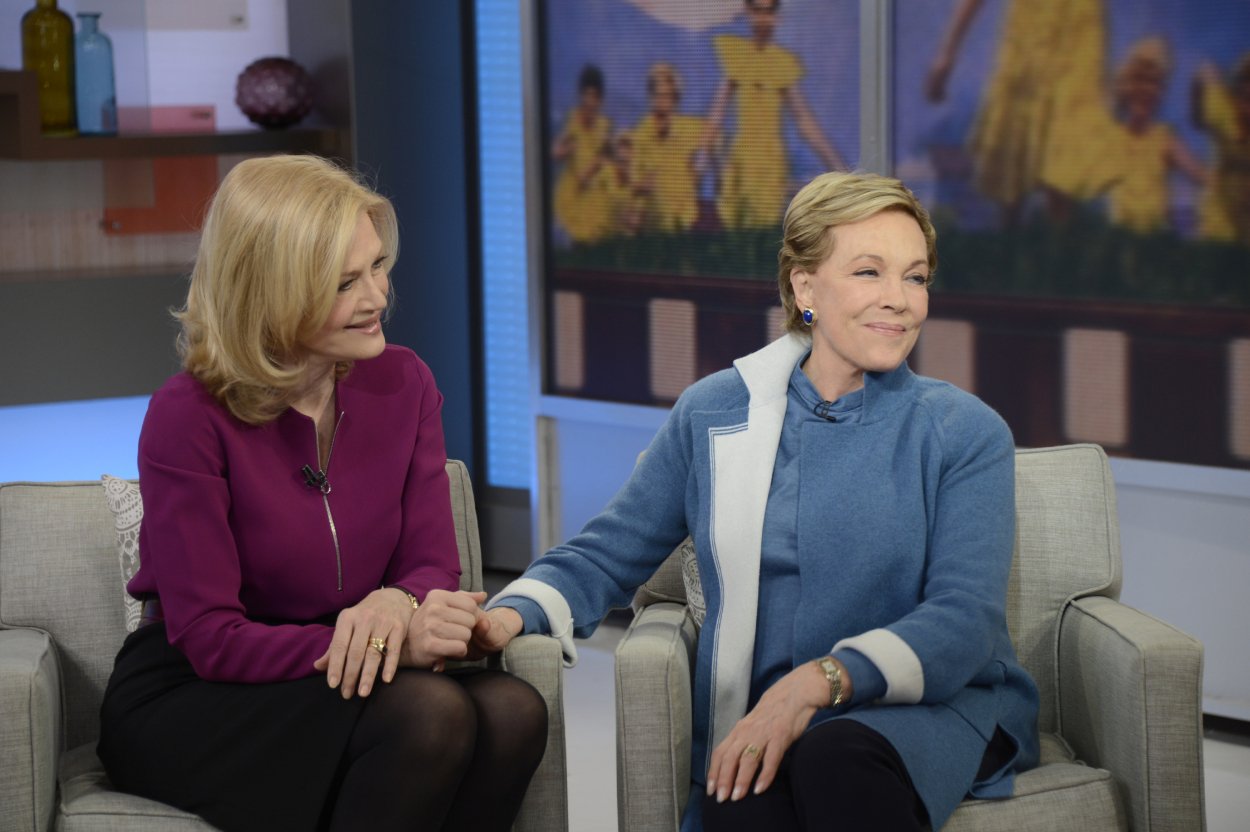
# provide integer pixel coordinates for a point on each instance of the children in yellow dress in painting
(1224, 112)
(1148, 149)
(755, 179)
(581, 207)
(667, 149)
(1044, 121)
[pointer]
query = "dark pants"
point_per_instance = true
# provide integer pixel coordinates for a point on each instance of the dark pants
(839, 775)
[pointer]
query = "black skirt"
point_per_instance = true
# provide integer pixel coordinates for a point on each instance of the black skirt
(242, 756)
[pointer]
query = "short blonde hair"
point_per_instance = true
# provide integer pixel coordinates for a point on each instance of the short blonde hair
(1149, 57)
(830, 200)
(266, 276)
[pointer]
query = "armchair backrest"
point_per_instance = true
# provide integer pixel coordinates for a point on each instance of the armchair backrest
(1067, 547)
(60, 572)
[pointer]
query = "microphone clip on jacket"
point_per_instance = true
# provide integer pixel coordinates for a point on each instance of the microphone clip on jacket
(315, 479)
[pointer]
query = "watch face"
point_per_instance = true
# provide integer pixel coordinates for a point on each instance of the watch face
(834, 674)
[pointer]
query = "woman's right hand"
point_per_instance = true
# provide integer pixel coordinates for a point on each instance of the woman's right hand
(441, 627)
(352, 662)
(494, 631)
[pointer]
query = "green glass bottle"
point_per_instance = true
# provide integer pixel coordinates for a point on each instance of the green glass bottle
(48, 51)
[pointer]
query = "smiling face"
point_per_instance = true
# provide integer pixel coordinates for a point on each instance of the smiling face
(353, 331)
(870, 296)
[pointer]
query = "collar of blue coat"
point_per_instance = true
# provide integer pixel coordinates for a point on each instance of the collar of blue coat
(766, 374)
(738, 455)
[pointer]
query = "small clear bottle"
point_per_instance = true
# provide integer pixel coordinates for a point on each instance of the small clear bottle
(97, 95)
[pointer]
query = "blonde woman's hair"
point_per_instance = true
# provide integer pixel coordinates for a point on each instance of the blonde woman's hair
(830, 200)
(1148, 56)
(266, 276)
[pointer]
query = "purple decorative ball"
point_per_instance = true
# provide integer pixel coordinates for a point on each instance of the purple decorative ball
(274, 92)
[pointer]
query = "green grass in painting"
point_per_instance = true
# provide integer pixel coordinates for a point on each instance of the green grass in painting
(1086, 258)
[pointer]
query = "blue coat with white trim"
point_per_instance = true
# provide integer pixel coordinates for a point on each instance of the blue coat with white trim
(906, 522)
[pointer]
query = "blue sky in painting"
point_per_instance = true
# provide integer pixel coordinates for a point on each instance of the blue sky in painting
(623, 41)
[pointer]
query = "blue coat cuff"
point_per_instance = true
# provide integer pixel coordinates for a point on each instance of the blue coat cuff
(867, 679)
(532, 614)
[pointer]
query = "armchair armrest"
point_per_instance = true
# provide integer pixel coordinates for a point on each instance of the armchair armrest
(30, 729)
(539, 661)
(1130, 701)
(653, 678)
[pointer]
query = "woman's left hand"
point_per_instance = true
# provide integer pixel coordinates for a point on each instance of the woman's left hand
(351, 659)
(761, 738)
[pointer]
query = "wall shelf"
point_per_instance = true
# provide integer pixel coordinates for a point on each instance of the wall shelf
(20, 137)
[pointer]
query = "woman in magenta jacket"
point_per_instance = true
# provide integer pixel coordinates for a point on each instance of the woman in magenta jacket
(299, 565)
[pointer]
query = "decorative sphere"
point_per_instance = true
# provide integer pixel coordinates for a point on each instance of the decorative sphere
(274, 92)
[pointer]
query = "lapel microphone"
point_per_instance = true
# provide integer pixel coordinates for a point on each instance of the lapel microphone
(821, 410)
(315, 479)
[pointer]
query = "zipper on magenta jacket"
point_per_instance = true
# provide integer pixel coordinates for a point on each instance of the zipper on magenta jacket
(324, 488)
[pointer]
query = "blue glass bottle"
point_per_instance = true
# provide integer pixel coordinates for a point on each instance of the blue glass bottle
(97, 96)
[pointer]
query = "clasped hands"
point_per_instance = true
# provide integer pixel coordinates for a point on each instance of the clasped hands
(447, 626)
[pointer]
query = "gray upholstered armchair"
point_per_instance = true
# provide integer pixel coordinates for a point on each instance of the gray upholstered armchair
(62, 620)
(1121, 692)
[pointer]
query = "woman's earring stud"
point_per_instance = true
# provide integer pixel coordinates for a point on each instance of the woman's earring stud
(809, 316)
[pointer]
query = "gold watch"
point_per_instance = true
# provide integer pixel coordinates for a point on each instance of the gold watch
(833, 672)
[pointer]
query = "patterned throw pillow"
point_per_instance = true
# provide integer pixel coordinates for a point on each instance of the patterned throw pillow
(694, 586)
(127, 508)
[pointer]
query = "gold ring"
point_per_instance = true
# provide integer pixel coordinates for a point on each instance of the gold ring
(751, 751)
(378, 644)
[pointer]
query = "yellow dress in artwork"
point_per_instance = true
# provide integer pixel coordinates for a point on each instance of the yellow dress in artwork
(662, 167)
(1139, 199)
(1044, 118)
(1225, 211)
(755, 182)
(582, 209)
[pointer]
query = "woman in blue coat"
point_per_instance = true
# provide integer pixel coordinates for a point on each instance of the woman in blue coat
(854, 667)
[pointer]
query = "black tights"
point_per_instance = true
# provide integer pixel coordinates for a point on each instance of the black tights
(449, 751)
(839, 775)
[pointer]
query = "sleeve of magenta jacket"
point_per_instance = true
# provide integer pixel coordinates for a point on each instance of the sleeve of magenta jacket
(189, 552)
(426, 557)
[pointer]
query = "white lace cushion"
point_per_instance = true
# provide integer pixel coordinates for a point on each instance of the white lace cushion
(123, 501)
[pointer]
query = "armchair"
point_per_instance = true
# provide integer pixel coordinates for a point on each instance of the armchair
(62, 622)
(1120, 719)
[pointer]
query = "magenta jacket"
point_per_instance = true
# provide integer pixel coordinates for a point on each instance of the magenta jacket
(244, 554)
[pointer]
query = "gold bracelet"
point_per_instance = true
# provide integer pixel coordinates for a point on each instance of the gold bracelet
(833, 674)
(412, 599)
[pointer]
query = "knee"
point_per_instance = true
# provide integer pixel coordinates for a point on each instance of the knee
(530, 712)
(515, 714)
(442, 722)
(527, 709)
(851, 757)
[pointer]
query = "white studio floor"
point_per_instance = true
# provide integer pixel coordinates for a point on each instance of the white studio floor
(590, 716)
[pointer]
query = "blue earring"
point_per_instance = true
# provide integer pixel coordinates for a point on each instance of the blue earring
(809, 316)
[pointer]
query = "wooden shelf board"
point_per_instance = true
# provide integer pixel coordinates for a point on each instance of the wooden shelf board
(20, 137)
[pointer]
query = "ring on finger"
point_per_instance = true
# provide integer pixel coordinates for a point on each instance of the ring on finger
(751, 751)
(378, 644)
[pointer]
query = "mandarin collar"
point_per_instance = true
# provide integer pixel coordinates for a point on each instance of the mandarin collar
(802, 387)
(881, 395)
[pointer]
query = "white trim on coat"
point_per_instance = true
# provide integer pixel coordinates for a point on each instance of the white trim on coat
(554, 606)
(898, 663)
